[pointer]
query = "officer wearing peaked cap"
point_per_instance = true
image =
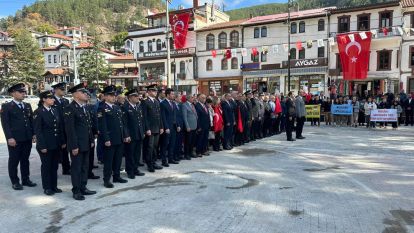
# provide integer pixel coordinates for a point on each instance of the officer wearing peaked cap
(80, 140)
(114, 133)
(17, 120)
(48, 129)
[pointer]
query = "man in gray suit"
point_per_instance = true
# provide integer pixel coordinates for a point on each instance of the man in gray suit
(190, 125)
(300, 114)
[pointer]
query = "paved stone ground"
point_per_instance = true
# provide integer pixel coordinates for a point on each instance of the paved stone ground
(337, 180)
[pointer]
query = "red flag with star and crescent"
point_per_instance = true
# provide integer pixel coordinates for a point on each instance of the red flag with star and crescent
(354, 55)
(179, 28)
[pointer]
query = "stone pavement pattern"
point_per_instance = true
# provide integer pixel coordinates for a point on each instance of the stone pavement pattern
(337, 180)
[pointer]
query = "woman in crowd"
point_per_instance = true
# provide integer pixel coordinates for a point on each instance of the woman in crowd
(218, 123)
(397, 105)
(355, 112)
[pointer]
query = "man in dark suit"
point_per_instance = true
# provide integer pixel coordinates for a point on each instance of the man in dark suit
(290, 115)
(134, 122)
(169, 120)
(409, 110)
(94, 121)
(228, 118)
(80, 140)
(114, 133)
(60, 103)
(233, 105)
(152, 115)
(178, 149)
(203, 125)
(248, 123)
(17, 122)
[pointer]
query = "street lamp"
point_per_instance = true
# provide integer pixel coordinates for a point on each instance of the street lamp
(76, 80)
(290, 3)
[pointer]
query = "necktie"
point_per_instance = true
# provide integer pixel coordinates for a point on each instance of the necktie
(21, 106)
(171, 104)
(51, 111)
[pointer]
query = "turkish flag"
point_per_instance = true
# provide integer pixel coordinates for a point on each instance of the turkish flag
(254, 51)
(227, 55)
(179, 28)
(354, 55)
(213, 53)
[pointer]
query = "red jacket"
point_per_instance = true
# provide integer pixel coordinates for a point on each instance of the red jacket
(218, 123)
(278, 106)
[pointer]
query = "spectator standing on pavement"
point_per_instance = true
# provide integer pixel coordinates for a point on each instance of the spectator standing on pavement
(300, 114)
(369, 105)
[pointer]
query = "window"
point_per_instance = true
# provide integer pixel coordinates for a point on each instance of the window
(263, 56)
(385, 19)
(159, 45)
(234, 63)
(141, 46)
(412, 23)
(234, 39)
(254, 58)
(411, 56)
(321, 25)
(54, 59)
(222, 40)
(343, 24)
(150, 46)
(302, 27)
(210, 42)
(263, 32)
(209, 65)
(182, 67)
(302, 53)
(256, 32)
(128, 44)
(338, 62)
(321, 51)
(293, 28)
(292, 53)
(384, 60)
(49, 58)
(363, 22)
(224, 64)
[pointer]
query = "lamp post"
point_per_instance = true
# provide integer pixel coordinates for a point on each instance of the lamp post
(76, 80)
(168, 45)
(289, 57)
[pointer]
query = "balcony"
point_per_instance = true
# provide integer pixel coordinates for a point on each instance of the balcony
(380, 35)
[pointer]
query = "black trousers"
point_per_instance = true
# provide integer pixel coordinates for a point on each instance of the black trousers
(409, 117)
(91, 160)
(267, 126)
(49, 167)
(290, 124)
(151, 149)
(133, 152)
(217, 141)
(79, 171)
(228, 133)
(257, 125)
(189, 143)
(19, 155)
(202, 141)
(246, 131)
(64, 159)
(178, 149)
(299, 126)
(112, 161)
(277, 124)
(168, 145)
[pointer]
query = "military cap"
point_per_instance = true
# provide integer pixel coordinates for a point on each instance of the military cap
(109, 90)
(132, 92)
(80, 87)
(247, 92)
(61, 85)
(17, 87)
(152, 87)
(46, 95)
(254, 91)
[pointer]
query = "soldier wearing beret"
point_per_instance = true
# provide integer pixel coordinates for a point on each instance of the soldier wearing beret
(80, 140)
(17, 122)
(50, 141)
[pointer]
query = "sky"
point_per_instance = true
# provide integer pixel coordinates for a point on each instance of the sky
(9, 7)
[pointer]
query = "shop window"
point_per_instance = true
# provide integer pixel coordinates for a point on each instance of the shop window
(343, 24)
(263, 32)
(222, 40)
(54, 59)
(210, 42)
(384, 60)
(182, 67)
(256, 32)
(141, 46)
(321, 25)
(411, 23)
(224, 64)
(234, 39)
(254, 58)
(292, 53)
(363, 22)
(234, 63)
(302, 27)
(302, 53)
(209, 65)
(293, 28)
(321, 51)
(385, 19)
(411, 56)
(159, 45)
(49, 59)
(263, 56)
(150, 46)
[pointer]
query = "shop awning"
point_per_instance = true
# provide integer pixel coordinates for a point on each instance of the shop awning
(307, 70)
(122, 66)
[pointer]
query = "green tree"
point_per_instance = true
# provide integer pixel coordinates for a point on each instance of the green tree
(26, 62)
(46, 28)
(118, 39)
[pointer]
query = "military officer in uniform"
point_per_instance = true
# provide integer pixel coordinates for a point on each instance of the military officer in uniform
(114, 133)
(154, 127)
(80, 140)
(17, 120)
(134, 122)
(50, 140)
(60, 103)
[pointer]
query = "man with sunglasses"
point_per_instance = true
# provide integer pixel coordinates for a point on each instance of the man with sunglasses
(17, 122)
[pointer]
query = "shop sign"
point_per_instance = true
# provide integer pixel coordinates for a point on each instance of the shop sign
(250, 66)
(306, 62)
(176, 52)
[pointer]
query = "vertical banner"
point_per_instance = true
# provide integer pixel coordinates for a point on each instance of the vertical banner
(179, 28)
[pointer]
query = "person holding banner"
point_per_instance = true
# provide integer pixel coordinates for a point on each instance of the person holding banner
(396, 105)
(369, 105)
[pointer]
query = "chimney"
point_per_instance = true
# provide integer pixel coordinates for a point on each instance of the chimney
(195, 4)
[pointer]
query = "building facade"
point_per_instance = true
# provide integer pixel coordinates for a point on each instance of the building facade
(407, 48)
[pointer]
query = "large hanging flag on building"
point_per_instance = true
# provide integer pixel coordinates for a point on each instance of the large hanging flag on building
(354, 55)
(179, 28)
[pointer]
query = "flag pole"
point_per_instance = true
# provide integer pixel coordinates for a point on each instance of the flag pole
(168, 45)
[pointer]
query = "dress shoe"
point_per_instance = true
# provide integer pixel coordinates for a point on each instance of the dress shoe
(57, 190)
(49, 192)
(108, 184)
(29, 183)
(17, 186)
(165, 164)
(187, 157)
(66, 173)
(216, 150)
(140, 164)
(157, 167)
(220, 149)
(88, 192)
(199, 156)
(291, 140)
(227, 148)
(131, 176)
(138, 173)
(93, 177)
(151, 170)
(301, 137)
(94, 167)
(78, 197)
(173, 162)
(119, 180)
